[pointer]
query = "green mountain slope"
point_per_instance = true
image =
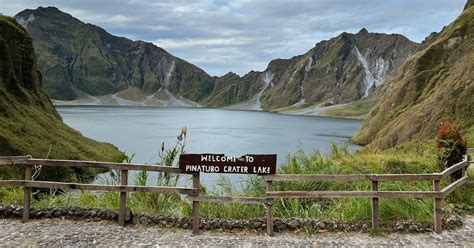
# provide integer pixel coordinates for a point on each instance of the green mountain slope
(77, 58)
(437, 84)
(29, 123)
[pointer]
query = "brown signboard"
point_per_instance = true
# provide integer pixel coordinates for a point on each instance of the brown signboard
(261, 164)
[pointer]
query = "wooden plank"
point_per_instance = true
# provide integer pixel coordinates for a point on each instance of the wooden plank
(123, 197)
(438, 208)
(453, 186)
(319, 194)
(196, 209)
(361, 177)
(450, 170)
(375, 206)
(228, 199)
(105, 165)
(111, 188)
(27, 194)
(11, 183)
(13, 160)
(353, 194)
(269, 206)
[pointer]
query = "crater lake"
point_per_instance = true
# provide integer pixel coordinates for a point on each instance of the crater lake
(141, 130)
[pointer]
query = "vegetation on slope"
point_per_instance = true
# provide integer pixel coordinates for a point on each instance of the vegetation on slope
(77, 58)
(437, 85)
(29, 123)
(359, 109)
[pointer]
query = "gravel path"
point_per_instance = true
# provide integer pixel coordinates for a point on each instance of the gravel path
(61, 233)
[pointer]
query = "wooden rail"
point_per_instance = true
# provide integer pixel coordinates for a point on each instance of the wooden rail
(437, 194)
(375, 194)
(353, 178)
(232, 199)
(123, 188)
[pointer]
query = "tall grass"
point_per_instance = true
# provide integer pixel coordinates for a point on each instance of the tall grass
(161, 203)
(339, 161)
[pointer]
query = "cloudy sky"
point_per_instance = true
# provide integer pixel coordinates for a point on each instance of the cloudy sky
(243, 35)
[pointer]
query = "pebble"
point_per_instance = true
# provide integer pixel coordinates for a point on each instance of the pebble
(60, 233)
(451, 221)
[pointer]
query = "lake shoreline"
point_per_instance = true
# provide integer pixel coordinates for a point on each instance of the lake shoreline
(318, 110)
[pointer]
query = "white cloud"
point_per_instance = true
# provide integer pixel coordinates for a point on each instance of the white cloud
(243, 35)
(182, 43)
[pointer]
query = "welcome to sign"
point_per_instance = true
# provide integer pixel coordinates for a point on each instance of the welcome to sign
(261, 164)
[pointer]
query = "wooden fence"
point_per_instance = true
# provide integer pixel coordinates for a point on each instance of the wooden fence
(375, 194)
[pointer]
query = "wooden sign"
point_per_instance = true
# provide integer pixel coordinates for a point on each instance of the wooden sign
(261, 164)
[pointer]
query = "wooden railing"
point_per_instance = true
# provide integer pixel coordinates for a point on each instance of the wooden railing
(437, 194)
(28, 183)
(375, 194)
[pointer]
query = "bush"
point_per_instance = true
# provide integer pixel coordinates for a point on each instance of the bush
(450, 145)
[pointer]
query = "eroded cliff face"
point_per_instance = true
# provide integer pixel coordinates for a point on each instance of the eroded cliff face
(83, 61)
(346, 68)
(80, 59)
(29, 123)
(436, 85)
(343, 69)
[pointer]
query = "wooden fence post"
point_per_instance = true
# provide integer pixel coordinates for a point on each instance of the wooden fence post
(464, 169)
(27, 193)
(123, 198)
(269, 205)
(438, 208)
(375, 206)
(196, 211)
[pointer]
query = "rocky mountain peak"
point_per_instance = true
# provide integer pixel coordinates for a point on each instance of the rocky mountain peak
(231, 75)
(363, 31)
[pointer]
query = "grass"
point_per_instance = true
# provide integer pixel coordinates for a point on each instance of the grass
(412, 158)
(359, 109)
(294, 108)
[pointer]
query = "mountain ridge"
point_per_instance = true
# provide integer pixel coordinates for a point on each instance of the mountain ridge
(83, 62)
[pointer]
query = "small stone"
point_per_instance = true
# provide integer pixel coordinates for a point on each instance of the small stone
(293, 224)
(413, 228)
(128, 215)
(399, 227)
(320, 225)
(280, 226)
(57, 213)
(256, 224)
